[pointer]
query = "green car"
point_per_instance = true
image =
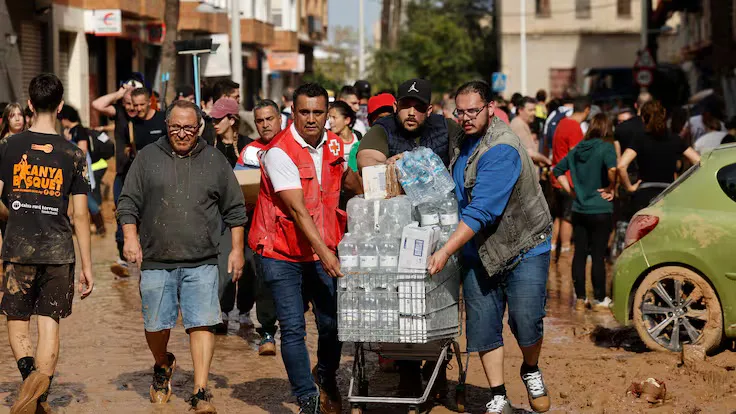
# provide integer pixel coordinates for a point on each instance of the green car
(676, 279)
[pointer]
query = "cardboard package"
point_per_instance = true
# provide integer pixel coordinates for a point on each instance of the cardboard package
(250, 183)
(380, 181)
(417, 245)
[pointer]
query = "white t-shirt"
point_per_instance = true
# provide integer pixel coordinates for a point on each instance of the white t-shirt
(282, 171)
(358, 126)
(709, 141)
(348, 147)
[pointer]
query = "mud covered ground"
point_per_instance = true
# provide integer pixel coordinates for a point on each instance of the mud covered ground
(588, 362)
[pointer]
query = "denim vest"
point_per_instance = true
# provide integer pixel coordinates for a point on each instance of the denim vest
(434, 136)
(526, 221)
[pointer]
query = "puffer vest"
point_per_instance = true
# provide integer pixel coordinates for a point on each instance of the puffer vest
(526, 220)
(434, 136)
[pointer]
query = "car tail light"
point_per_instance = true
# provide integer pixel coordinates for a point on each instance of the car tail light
(639, 227)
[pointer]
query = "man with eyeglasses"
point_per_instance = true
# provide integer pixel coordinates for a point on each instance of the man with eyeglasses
(177, 192)
(504, 240)
(413, 125)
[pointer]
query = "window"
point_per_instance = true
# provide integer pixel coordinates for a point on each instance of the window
(582, 9)
(623, 8)
(543, 8)
(727, 180)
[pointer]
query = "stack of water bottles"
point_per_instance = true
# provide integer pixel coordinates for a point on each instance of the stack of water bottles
(377, 302)
(423, 176)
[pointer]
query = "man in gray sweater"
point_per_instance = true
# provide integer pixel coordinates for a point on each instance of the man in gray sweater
(175, 195)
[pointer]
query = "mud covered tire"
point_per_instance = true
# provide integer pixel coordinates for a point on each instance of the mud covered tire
(696, 310)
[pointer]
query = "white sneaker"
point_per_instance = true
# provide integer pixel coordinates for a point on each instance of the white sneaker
(245, 320)
(499, 405)
(603, 305)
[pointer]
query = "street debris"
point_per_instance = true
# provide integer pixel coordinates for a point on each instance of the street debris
(652, 390)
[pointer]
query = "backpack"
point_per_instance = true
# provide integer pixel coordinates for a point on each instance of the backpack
(101, 147)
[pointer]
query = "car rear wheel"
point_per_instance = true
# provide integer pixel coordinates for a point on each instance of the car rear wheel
(674, 306)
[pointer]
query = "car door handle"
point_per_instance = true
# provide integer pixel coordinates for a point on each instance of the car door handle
(731, 275)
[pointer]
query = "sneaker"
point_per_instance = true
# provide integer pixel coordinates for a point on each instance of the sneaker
(120, 269)
(330, 401)
(32, 389)
(602, 306)
(245, 321)
(309, 405)
(267, 346)
(537, 391)
(499, 405)
(201, 402)
(160, 390)
(580, 305)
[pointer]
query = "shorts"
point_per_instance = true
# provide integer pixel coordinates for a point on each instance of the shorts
(561, 205)
(523, 288)
(193, 290)
(38, 289)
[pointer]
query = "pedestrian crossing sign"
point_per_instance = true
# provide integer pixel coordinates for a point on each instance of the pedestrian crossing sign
(498, 81)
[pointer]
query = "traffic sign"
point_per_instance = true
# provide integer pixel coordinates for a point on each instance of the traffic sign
(498, 81)
(645, 60)
(644, 77)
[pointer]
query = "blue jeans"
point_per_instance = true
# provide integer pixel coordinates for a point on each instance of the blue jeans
(286, 280)
(117, 188)
(523, 288)
(193, 289)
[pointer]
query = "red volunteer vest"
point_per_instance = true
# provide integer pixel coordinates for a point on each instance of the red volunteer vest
(274, 233)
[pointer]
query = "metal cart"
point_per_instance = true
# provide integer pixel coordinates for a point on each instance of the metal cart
(401, 316)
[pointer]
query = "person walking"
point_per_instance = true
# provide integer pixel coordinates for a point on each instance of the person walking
(225, 116)
(592, 164)
(268, 124)
(656, 153)
(13, 121)
(176, 191)
(296, 228)
(504, 238)
(40, 172)
(568, 133)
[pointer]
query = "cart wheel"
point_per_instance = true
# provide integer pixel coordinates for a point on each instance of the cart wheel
(460, 398)
(356, 410)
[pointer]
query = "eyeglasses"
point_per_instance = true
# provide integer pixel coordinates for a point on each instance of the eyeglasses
(472, 113)
(188, 129)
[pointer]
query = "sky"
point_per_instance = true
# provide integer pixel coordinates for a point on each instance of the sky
(345, 13)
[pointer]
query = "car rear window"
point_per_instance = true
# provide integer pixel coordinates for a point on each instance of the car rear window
(727, 180)
(681, 179)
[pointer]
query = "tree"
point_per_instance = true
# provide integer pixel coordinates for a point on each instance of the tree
(168, 54)
(385, 19)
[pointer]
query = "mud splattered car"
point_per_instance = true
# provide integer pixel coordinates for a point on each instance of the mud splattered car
(676, 279)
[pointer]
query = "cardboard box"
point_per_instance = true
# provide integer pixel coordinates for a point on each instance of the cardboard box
(250, 184)
(417, 245)
(374, 182)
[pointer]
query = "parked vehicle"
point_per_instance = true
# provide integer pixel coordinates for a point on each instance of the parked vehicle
(676, 279)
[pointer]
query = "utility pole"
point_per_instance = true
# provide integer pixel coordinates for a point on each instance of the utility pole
(361, 40)
(385, 19)
(644, 23)
(236, 47)
(522, 12)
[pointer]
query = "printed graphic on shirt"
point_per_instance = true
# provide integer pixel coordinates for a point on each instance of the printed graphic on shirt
(38, 179)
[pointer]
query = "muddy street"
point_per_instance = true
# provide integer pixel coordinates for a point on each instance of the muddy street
(588, 361)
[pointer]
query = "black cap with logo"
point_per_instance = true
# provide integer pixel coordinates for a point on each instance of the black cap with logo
(419, 89)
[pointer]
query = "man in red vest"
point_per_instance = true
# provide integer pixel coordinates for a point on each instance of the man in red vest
(296, 228)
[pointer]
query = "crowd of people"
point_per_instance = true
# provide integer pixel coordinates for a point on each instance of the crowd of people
(535, 180)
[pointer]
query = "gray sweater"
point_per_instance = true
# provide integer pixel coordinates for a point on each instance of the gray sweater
(179, 204)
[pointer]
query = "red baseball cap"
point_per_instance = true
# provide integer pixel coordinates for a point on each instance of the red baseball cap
(224, 107)
(379, 101)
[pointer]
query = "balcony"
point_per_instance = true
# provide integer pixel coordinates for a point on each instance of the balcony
(147, 9)
(190, 19)
(285, 41)
(256, 32)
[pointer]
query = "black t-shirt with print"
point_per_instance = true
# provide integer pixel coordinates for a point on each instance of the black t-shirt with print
(145, 131)
(40, 172)
(148, 131)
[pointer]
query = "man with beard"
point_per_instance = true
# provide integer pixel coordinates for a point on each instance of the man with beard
(413, 125)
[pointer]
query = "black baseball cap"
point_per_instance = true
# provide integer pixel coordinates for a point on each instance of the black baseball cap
(184, 90)
(364, 89)
(419, 89)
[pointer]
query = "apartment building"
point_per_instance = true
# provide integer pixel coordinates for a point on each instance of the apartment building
(565, 37)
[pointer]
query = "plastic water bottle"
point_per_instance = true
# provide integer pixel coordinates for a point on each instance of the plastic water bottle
(388, 252)
(428, 214)
(360, 212)
(368, 251)
(449, 211)
(348, 252)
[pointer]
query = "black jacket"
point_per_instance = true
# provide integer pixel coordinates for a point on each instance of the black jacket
(179, 203)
